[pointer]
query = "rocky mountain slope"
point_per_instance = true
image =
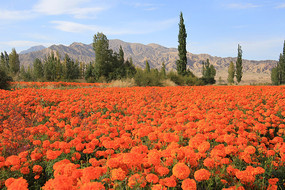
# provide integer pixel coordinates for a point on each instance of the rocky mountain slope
(254, 71)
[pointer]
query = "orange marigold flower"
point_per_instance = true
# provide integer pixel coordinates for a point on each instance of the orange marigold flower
(204, 146)
(12, 160)
(189, 184)
(181, 171)
(169, 181)
(158, 187)
(209, 163)
(18, 184)
(118, 174)
(92, 186)
(51, 155)
(152, 178)
(37, 169)
(250, 150)
(25, 170)
(273, 181)
(135, 180)
(162, 170)
(202, 175)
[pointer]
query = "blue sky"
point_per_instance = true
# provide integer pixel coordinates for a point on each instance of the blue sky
(215, 27)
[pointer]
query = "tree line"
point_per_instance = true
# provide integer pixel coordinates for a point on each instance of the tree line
(278, 72)
(51, 68)
(109, 65)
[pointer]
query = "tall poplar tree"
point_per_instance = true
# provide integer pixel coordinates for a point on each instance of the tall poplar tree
(182, 62)
(278, 72)
(14, 62)
(231, 73)
(147, 67)
(102, 55)
(239, 65)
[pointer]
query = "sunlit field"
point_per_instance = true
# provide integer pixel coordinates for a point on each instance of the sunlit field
(89, 137)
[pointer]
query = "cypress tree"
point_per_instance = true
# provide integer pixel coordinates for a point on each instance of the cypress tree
(182, 62)
(231, 73)
(163, 71)
(147, 67)
(239, 65)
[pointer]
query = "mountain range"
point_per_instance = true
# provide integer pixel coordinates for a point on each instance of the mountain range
(253, 71)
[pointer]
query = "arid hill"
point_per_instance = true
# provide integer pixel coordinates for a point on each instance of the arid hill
(254, 71)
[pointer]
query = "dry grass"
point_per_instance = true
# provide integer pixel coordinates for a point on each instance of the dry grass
(122, 83)
(168, 82)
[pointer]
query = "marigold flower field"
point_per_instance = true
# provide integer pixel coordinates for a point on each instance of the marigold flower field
(209, 137)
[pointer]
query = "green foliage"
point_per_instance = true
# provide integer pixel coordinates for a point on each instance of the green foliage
(108, 64)
(89, 75)
(182, 62)
(26, 75)
(151, 78)
(278, 72)
(208, 73)
(4, 61)
(4, 79)
(274, 76)
(14, 62)
(130, 69)
(38, 69)
(147, 67)
(239, 65)
(176, 78)
(163, 71)
(71, 68)
(231, 73)
(50, 67)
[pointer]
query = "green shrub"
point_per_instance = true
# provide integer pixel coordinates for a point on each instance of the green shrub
(177, 79)
(4, 80)
(193, 81)
(144, 78)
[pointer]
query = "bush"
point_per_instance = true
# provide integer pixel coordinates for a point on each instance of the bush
(4, 80)
(177, 79)
(144, 78)
(193, 81)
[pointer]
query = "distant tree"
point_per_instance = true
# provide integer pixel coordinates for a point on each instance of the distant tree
(278, 72)
(208, 72)
(130, 68)
(4, 79)
(26, 74)
(14, 62)
(147, 67)
(50, 67)
(6, 58)
(231, 73)
(239, 65)
(2, 61)
(182, 61)
(89, 73)
(274, 76)
(121, 58)
(103, 64)
(38, 69)
(82, 69)
(163, 70)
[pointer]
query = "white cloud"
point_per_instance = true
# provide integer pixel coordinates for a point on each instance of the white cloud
(281, 6)
(16, 15)
(242, 6)
(128, 28)
(21, 43)
(68, 7)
